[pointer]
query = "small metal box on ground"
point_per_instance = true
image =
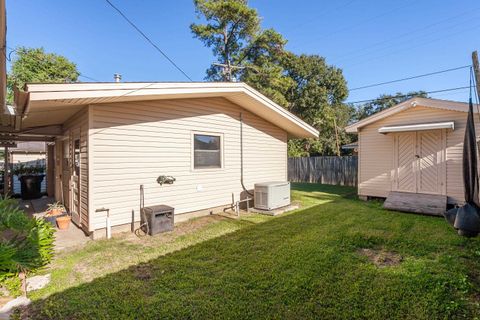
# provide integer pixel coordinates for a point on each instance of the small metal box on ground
(158, 218)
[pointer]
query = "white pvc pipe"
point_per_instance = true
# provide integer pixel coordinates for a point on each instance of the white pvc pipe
(109, 227)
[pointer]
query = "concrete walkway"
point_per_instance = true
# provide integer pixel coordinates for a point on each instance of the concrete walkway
(64, 239)
(35, 207)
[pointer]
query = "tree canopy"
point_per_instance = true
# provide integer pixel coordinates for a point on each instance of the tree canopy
(304, 84)
(36, 65)
(229, 29)
(385, 101)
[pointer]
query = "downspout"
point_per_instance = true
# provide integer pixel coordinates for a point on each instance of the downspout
(241, 156)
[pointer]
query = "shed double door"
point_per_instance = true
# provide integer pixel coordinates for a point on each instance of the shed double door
(419, 162)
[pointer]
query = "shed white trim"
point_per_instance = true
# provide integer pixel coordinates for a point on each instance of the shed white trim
(418, 127)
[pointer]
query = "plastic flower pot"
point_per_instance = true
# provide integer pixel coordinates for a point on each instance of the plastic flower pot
(55, 212)
(63, 222)
(52, 219)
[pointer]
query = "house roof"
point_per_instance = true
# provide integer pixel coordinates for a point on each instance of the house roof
(53, 104)
(29, 147)
(410, 103)
(350, 146)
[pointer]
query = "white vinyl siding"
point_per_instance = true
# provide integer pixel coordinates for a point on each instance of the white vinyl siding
(134, 143)
(376, 151)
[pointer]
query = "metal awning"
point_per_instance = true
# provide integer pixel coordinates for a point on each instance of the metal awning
(418, 127)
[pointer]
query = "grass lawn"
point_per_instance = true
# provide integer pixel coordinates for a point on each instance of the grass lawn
(310, 263)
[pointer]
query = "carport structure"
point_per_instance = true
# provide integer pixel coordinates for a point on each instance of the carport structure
(20, 123)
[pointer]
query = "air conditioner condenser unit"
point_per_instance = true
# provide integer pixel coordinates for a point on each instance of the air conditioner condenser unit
(272, 195)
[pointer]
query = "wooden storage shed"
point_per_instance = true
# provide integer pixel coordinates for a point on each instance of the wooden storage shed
(412, 154)
(110, 138)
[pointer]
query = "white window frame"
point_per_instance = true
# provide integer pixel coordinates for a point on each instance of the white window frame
(222, 150)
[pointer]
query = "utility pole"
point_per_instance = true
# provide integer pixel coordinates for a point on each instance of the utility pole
(227, 70)
(3, 87)
(3, 57)
(476, 70)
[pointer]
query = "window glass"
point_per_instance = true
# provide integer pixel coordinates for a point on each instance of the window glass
(77, 157)
(207, 153)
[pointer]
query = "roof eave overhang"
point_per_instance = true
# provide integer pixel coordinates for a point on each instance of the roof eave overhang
(239, 93)
(418, 127)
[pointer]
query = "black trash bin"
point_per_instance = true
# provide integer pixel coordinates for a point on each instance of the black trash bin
(30, 186)
(158, 219)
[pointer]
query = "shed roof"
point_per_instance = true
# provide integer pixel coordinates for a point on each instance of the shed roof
(51, 104)
(30, 147)
(410, 103)
(349, 146)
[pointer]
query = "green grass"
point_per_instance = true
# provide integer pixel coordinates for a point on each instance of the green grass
(305, 264)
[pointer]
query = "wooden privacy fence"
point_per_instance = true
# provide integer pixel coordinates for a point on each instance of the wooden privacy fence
(324, 169)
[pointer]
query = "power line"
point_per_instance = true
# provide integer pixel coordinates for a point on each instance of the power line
(353, 26)
(407, 95)
(89, 78)
(409, 48)
(148, 39)
(390, 39)
(409, 78)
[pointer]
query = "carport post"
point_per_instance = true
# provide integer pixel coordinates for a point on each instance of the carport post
(6, 173)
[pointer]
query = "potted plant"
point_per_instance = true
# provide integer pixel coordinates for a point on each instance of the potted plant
(31, 178)
(54, 210)
(63, 222)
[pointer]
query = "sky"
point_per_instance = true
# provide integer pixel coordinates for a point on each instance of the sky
(371, 41)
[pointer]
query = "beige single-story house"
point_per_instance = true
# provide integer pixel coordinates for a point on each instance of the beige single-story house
(414, 147)
(110, 138)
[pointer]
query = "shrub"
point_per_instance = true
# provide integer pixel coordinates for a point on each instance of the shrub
(26, 243)
(21, 169)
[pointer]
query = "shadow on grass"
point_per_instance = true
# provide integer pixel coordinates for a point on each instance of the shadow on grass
(302, 265)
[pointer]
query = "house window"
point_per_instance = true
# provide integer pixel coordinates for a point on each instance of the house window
(207, 153)
(77, 157)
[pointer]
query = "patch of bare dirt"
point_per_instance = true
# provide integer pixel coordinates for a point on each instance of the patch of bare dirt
(143, 271)
(381, 258)
(182, 228)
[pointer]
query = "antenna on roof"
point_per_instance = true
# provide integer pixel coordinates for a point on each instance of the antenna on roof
(117, 77)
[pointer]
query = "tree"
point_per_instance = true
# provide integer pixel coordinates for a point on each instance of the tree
(317, 97)
(36, 65)
(385, 101)
(230, 26)
(244, 52)
(303, 84)
(264, 70)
